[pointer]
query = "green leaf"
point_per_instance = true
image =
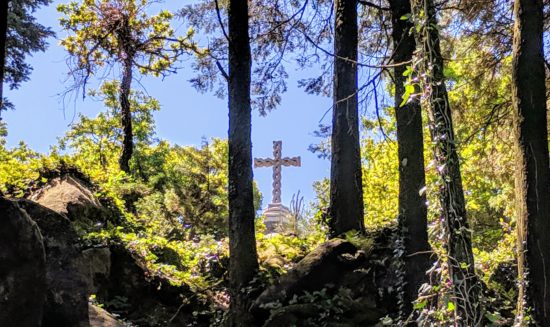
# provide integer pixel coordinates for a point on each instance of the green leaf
(387, 321)
(408, 71)
(451, 306)
(420, 305)
(464, 265)
(409, 90)
(493, 317)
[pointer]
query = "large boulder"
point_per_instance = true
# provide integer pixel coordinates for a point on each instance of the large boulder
(72, 197)
(322, 266)
(67, 285)
(139, 295)
(96, 265)
(101, 318)
(338, 284)
(22, 268)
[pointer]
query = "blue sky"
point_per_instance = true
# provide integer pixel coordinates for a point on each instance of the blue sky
(185, 118)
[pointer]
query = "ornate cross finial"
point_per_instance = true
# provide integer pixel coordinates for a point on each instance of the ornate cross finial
(277, 162)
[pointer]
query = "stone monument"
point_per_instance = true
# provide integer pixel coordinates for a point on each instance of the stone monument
(278, 218)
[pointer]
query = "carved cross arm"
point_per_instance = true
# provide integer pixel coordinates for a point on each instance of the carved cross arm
(263, 163)
(294, 161)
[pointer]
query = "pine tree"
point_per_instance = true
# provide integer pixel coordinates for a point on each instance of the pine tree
(20, 36)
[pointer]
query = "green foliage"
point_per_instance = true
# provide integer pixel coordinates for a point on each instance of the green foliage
(482, 102)
(362, 242)
(487, 158)
(105, 32)
(18, 169)
(174, 202)
(279, 252)
(176, 191)
(180, 261)
(98, 140)
(188, 187)
(380, 172)
(329, 307)
(25, 36)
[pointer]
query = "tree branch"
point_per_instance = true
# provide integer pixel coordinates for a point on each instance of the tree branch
(221, 21)
(224, 73)
(372, 5)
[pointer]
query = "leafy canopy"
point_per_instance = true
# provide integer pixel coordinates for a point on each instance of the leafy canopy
(103, 33)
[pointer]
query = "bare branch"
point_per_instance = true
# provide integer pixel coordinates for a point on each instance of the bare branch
(372, 5)
(222, 70)
(220, 20)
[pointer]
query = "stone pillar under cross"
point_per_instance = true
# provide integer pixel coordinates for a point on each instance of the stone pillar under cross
(278, 218)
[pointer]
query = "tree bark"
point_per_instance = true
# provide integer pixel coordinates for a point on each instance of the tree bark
(346, 190)
(242, 240)
(533, 167)
(466, 287)
(3, 36)
(412, 218)
(126, 114)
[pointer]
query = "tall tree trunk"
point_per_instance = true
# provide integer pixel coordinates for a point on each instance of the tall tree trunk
(3, 36)
(126, 114)
(466, 287)
(346, 190)
(243, 259)
(532, 172)
(413, 222)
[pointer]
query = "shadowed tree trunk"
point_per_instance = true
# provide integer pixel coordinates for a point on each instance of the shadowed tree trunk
(413, 222)
(242, 241)
(3, 37)
(127, 47)
(532, 172)
(126, 114)
(346, 190)
(466, 287)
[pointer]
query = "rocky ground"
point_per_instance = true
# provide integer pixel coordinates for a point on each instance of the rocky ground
(338, 279)
(48, 273)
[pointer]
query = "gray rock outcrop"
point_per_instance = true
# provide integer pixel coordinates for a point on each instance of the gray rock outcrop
(67, 285)
(22, 268)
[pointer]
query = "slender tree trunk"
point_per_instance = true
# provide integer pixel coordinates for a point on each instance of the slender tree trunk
(126, 113)
(346, 190)
(242, 240)
(533, 167)
(466, 287)
(413, 222)
(3, 36)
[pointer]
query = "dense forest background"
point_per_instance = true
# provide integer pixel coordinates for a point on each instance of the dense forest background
(438, 149)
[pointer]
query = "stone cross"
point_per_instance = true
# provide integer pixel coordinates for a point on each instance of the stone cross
(277, 162)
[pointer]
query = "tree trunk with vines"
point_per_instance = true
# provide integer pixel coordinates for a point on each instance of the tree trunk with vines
(533, 172)
(413, 222)
(346, 189)
(466, 286)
